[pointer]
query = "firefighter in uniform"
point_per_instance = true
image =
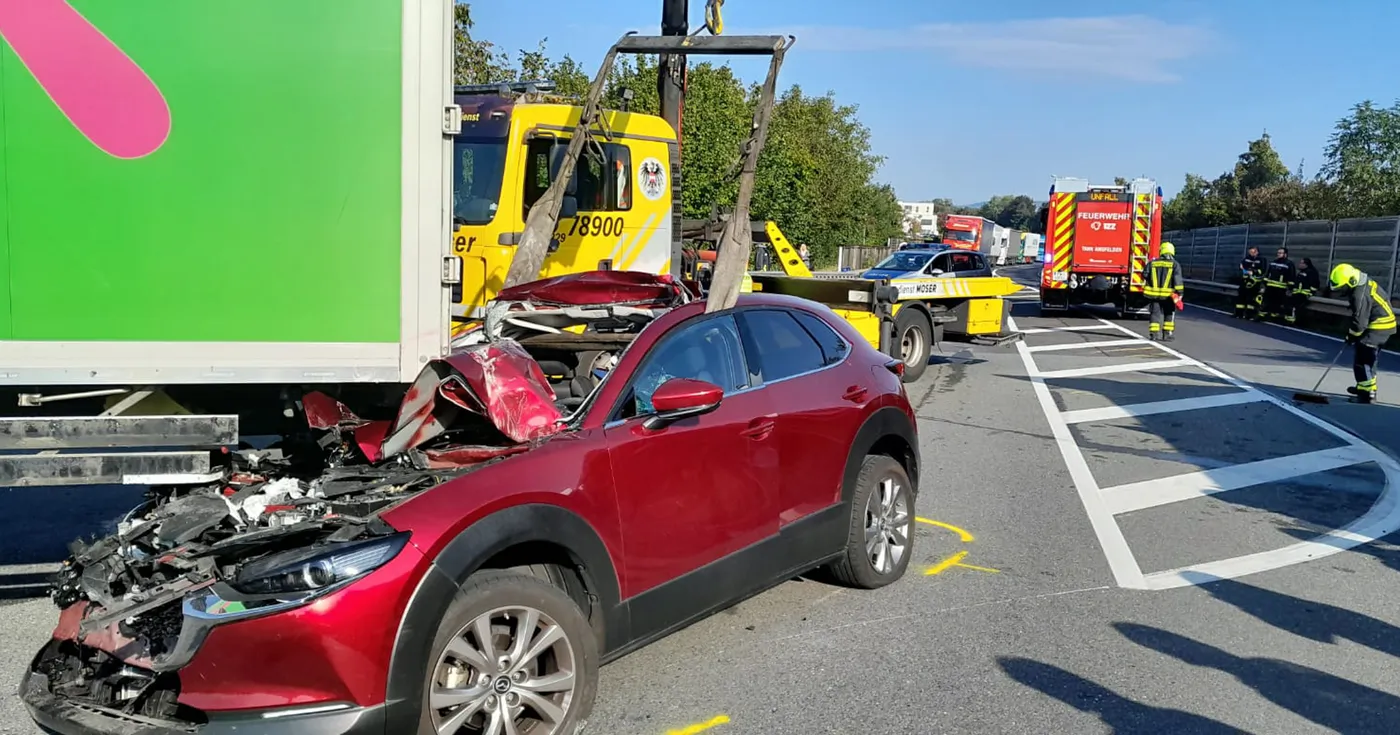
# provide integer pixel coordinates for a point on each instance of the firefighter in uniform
(1279, 279)
(1164, 285)
(1372, 323)
(1308, 284)
(1247, 299)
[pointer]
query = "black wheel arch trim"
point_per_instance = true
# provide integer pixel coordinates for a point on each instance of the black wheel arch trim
(462, 557)
(883, 422)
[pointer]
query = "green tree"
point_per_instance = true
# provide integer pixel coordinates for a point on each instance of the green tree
(482, 62)
(1016, 211)
(1260, 166)
(1363, 161)
(475, 61)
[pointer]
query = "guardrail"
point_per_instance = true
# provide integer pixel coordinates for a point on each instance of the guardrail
(1318, 304)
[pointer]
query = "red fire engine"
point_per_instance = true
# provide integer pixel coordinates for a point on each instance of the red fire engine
(1098, 241)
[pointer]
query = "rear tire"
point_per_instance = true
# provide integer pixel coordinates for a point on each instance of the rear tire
(913, 341)
(549, 693)
(882, 514)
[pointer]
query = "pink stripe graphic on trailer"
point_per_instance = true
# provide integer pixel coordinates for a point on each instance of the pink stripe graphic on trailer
(106, 96)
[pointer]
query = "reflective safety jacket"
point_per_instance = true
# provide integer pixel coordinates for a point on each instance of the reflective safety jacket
(1281, 273)
(1309, 282)
(1163, 279)
(1371, 314)
(1251, 267)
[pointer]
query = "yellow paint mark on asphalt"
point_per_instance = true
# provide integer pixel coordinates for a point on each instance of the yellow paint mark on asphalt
(963, 535)
(945, 565)
(700, 726)
(956, 561)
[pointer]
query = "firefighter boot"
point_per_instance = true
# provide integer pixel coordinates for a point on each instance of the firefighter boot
(1169, 336)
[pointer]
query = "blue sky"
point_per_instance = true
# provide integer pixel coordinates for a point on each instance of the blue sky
(966, 100)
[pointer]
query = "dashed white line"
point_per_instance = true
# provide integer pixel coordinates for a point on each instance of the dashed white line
(1109, 413)
(1111, 369)
(1085, 345)
(1167, 490)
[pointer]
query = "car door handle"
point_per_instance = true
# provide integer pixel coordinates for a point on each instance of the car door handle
(855, 394)
(759, 429)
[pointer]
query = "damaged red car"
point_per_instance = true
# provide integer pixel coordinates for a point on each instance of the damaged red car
(600, 464)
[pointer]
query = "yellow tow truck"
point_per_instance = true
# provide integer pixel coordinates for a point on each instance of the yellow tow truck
(621, 209)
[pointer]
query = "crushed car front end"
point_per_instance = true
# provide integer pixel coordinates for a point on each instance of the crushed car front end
(270, 617)
(268, 599)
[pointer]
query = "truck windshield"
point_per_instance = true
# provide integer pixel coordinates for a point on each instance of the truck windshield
(958, 236)
(478, 165)
(905, 261)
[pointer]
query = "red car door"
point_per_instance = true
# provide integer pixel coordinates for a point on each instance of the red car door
(817, 394)
(699, 490)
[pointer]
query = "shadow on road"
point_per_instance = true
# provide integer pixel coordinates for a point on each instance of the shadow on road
(1327, 700)
(1316, 621)
(1121, 714)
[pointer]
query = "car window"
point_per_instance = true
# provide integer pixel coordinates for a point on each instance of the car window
(708, 350)
(834, 348)
(903, 261)
(977, 263)
(784, 348)
(962, 261)
(939, 264)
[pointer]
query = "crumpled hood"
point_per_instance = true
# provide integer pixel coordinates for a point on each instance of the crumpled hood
(496, 380)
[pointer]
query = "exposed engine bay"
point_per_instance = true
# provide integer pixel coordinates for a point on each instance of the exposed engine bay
(282, 525)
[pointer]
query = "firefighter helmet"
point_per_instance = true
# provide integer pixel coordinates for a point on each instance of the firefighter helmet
(1345, 275)
(1167, 249)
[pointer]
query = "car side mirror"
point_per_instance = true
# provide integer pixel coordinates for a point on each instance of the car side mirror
(568, 207)
(936, 272)
(681, 398)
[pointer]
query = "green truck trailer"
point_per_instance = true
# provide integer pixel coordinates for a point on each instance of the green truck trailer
(204, 203)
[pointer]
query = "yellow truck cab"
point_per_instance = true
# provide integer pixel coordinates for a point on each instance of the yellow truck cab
(620, 216)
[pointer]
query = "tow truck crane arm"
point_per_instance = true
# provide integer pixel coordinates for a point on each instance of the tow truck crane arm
(736, 241)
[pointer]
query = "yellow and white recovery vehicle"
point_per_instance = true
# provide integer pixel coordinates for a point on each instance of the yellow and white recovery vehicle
(902, 317)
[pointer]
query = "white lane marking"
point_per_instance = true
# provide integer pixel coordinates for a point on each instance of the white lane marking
(1050, 330)
(1378, 522)
(1110, 369)
(1086, 345)
(1285, 326)
(1382, 519)
(1167, 490)
(1109, 413)
(1121, 561)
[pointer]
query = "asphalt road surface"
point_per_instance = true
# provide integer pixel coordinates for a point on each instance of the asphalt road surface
(1121, 538)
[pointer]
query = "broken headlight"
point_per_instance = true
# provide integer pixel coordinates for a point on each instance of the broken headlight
(316, 568)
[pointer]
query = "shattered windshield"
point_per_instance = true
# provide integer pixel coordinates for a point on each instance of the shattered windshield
(905, 261)
(478, 165)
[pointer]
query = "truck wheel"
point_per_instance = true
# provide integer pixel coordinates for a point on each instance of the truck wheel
(881, 536)
(512, 654)
(914, 341)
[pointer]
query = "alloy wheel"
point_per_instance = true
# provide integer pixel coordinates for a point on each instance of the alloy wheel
(887, 525)
(510, 671)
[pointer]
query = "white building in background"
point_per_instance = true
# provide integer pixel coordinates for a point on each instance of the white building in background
(922, 214)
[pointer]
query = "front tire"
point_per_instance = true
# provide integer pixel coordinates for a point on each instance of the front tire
(881, 536)
(914, 341)
(510, 646)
